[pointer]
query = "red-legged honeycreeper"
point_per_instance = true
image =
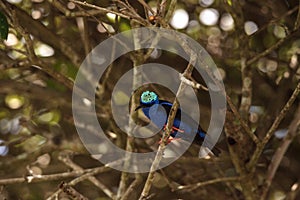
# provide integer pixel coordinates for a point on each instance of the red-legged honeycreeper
(157, 111)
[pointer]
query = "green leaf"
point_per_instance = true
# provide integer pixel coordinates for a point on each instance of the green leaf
(3, 27)
(33, 143)
(229, 2)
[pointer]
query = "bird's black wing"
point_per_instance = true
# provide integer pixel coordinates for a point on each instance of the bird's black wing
(167, 106)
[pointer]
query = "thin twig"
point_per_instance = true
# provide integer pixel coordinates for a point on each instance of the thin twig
(229, 185)
(129, 7)
(135, 18)
(162, 9)
(125, 175)
(171, 10)
(282, 114)
(83, 177)
(28, 41)
(136, 82)
(60, 7)
(193, 84)
(51, 177)
(53, 73)
(230, 103)
(138, 180)
(246, 90)
(84, 33)
(297, 22)
(70, 191)
(243, 123)
(80, 13)
(274, 21)
(152, 46)
(238, 153)
(65, 157)
(271, 48)
(281, 150)
(147, 6)
(192, 187)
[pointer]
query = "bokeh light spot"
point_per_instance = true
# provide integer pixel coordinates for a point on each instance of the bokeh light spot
(279, 32)
(281, 133)
(206, 3)
(180, 19)
(11, 40)
(44, 50)
(36, 14)
(14, 101)
(71, 5)
(14, 1)
(111, 17)
(250, 27)
(227, 22)
(209, 16)
(103, 28)
(3, 148)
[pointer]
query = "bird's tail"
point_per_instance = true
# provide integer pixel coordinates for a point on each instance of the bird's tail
(207, 147)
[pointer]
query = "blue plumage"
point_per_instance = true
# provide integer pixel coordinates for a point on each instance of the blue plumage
(158, 110)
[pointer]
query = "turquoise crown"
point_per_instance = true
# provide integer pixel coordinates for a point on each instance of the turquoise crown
(148, 97)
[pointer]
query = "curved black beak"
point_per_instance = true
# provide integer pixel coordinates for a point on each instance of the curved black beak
(140, 106)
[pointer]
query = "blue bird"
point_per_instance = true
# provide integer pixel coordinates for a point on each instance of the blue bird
(184, 127)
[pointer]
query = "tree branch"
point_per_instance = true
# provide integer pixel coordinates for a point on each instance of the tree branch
(52, 177)
(281, 150)
(282, 114)
(192, 187)
(135, 18)
(271, 48)
(65, 158)
(297, 22)
(230, 103)
(246, 90)
(70, 191)
(167, 132)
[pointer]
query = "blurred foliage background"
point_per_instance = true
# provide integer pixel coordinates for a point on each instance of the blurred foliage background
(255, 45)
